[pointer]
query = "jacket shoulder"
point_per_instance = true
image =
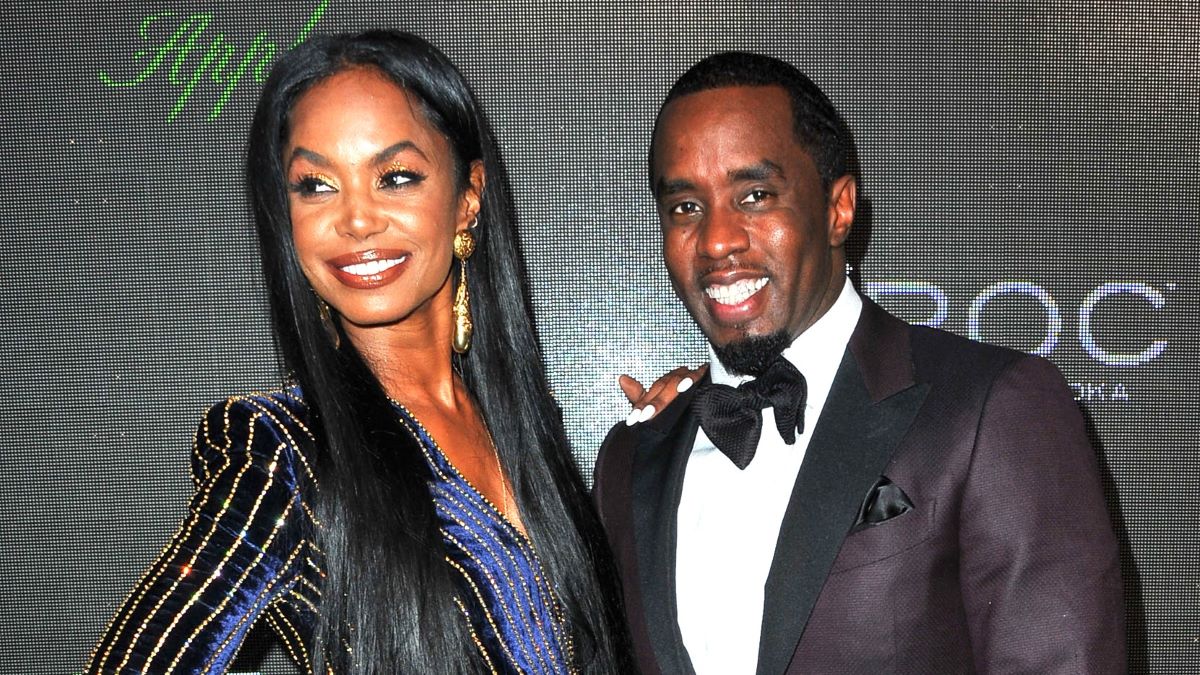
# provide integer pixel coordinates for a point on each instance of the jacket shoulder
(623, 439)
(940, 352)
(615, 451)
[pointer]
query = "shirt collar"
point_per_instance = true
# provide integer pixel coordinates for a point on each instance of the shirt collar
(815, 352)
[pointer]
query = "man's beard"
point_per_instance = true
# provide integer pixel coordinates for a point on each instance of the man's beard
(752, 355)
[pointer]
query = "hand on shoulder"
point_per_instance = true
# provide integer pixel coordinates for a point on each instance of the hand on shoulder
(648, 402)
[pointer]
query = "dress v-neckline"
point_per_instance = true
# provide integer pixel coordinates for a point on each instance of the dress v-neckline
(422, 435)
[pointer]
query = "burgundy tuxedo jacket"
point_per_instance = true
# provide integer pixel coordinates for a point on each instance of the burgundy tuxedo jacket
(1004, 560)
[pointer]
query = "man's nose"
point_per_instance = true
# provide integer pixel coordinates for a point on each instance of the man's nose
(722, 233)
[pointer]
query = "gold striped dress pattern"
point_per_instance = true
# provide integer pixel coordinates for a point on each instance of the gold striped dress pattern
(245, 553)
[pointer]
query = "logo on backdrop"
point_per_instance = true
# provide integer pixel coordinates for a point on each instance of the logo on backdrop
(1056, 318)
(182, 50)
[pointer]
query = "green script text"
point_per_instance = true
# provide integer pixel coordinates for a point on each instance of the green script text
(183, 47)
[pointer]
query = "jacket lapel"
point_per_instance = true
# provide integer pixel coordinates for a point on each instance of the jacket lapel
(659, 463)
(869, 409)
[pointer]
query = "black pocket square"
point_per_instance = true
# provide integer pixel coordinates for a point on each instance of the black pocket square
(884, 501)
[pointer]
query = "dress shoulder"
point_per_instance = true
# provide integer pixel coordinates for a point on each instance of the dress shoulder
(269, 427)
(240, 548)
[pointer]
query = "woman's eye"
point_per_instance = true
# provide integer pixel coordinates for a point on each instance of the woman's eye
(395, 179)
(311, 185)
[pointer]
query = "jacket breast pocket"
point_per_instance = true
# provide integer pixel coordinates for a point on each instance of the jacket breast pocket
(887, 539)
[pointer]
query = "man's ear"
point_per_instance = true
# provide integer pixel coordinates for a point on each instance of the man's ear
(843, 198)
(472, 199)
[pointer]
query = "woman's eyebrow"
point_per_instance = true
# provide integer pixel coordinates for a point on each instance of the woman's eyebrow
(385, 155)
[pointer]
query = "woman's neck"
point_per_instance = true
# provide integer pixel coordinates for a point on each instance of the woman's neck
(412, 358)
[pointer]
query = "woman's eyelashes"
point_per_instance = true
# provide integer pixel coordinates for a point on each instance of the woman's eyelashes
(315, 184)
(312, 184)
(399, 176)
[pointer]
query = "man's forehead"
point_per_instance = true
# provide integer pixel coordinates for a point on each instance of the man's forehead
(729, 151)
(763, 105)
(734, 122)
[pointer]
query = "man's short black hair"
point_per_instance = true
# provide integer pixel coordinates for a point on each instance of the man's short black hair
(815, 122)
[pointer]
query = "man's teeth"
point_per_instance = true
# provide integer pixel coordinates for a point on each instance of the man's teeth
(737, 292)
(372, 267)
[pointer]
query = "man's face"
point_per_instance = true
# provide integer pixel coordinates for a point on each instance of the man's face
(752, 242)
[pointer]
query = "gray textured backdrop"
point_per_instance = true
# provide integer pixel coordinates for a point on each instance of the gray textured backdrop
(1047, 145)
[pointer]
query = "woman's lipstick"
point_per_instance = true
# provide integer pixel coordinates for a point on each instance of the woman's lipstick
(369, 269)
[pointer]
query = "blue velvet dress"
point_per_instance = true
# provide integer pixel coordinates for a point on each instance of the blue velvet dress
(515, 621)
(244, 553)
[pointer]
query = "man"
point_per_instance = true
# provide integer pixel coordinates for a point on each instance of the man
(906, 501)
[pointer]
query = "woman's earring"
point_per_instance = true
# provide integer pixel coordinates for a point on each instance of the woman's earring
(464, 246)
(328, 323)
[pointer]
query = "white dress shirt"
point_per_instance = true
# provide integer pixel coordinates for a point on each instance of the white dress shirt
(729, 518)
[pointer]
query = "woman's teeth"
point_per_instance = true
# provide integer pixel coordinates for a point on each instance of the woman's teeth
(372, 267)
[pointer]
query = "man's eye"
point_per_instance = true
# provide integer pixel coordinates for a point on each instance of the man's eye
(755, 196)
(685, 208)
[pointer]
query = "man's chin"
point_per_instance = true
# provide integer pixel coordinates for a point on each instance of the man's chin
(750, 354)
(722, 334)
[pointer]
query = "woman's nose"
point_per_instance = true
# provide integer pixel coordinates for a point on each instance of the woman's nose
(361, 219)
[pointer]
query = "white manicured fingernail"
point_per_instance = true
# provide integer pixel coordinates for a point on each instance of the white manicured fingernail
(635, 416)
(684, 384)
(647, 413)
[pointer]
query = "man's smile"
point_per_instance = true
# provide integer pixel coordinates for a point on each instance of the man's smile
(737, 292)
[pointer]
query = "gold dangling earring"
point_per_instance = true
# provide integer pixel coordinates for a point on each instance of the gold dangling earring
(464, 246)
(327, 322)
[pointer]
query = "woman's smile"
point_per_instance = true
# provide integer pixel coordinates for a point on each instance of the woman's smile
(371, 268)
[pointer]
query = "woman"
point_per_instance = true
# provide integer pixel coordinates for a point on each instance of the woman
(410, 505)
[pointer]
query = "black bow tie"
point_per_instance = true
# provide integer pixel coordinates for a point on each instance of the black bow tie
(732, 418)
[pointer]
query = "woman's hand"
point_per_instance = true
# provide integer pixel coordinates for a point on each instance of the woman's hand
(647, 402)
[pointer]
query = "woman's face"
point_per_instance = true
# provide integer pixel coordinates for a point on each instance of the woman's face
(373, 199)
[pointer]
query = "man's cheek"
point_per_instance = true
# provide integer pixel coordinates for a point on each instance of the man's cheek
(676, 270)
(683, 292)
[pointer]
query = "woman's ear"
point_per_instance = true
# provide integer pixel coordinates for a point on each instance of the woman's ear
(472, 198)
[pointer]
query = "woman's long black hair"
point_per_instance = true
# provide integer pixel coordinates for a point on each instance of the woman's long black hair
(387, 594)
